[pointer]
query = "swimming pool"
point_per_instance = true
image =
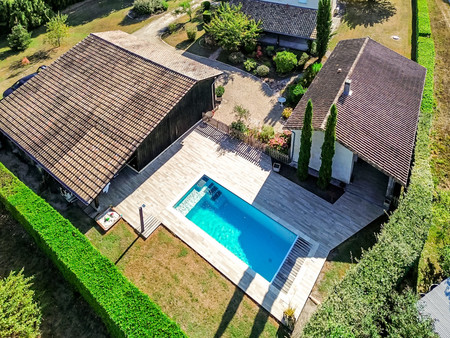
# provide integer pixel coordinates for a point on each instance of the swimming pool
(249, 234)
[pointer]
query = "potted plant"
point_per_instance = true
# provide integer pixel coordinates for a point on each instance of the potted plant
(289, 318)
(220, 90)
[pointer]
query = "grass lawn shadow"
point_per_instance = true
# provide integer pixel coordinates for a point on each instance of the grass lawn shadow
(367, 12)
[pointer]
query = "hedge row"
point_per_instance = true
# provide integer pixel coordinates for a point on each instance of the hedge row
(356, 307)
(125, 310)
(423, 19)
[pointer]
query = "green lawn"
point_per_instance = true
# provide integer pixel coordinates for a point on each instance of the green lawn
(188, 289)
(379, 19)
(64, 311)
(86, 17)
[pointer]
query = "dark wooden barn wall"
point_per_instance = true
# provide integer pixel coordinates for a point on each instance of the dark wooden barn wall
(182, 117)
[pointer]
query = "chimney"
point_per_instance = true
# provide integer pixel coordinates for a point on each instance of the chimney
(347, 90)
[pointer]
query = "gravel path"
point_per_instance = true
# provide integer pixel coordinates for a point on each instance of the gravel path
(240, 87)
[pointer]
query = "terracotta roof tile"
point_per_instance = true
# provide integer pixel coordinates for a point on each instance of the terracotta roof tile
(378, 121)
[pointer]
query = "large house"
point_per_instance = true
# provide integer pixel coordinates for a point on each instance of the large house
(286, 23)
(110, 101)
(378, 94)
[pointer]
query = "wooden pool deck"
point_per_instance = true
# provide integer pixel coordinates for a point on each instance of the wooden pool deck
(247, 173)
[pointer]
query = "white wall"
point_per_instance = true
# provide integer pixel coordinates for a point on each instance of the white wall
(342, 161)
(300, 3)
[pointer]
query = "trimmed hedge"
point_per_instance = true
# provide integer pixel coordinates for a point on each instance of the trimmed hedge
(423, 19)
(125, 310)
(356, 307)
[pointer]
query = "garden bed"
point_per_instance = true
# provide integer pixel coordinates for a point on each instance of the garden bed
(331, 194)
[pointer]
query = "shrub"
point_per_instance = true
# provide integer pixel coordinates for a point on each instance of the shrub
(191, 33)
(146, 7)
(285, 61)
(20, 316)
(206, 5)
(262, 70)
(241, 113)
(207, 16)
(259, 52)
(445, 260)
(294, 93)
(266, 133)
(125, 310)
(310, 74)
(239, 126)
(286, 112)
(328, 149)
(250, 64)
(312, 47)
(220, 90)
(281, 142)
(172, 27)
(302, 60)
(270, 51)
(236, 57)
(19, 39)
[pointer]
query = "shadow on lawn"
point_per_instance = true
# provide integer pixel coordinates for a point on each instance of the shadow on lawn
(367, 12)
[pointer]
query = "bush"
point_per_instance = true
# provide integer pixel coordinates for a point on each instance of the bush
(241, 113)
(310, 74)
(262, 70)
(206, 5)
(19, 39)
(270, 51)
(191, 33)
(236, 58)
(207, 16)
(250, 64)
(285, 61)
(286, 112)
(220, 90)
(302, 60)
(239, 126)
(312, 47)
(294, 93)
(172, 27)
(125, 310)
(20, 316)
(146, 7)
(281, 142)
(266, 134)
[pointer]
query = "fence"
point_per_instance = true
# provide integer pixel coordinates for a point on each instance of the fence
(248, 139)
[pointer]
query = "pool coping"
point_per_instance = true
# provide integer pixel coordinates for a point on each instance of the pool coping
(257, 283)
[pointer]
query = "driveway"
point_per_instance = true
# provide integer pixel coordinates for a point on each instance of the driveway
(241, 88)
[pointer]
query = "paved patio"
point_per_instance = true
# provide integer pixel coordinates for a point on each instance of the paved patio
(247, 173)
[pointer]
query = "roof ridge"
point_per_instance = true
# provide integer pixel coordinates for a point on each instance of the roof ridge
(140, 56)
(350, 72)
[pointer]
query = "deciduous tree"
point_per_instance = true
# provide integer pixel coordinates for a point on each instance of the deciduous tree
(57, 29)
(233, 29)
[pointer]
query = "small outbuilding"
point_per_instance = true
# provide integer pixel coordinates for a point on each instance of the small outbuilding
(436, 305)
(378, 93)
(110, 101)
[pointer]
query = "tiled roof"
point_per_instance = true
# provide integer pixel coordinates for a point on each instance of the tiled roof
(378, 121)
(281, 18)
(84, 116)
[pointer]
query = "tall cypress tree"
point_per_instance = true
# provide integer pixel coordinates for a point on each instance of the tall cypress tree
(305, 143)
(323, 27)
(327, 154)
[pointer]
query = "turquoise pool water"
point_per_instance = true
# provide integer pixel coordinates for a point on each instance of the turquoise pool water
(252, 236)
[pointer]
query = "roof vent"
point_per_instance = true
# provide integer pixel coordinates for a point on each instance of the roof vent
(347, 90)
(339, 70)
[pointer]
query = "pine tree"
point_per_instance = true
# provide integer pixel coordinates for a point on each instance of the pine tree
(305, 143)
(327, 154)
(323, 27)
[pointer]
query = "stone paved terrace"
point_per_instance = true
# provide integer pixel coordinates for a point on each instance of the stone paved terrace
(247, 173)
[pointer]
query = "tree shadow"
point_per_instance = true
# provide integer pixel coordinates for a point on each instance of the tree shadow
(367, 12)
(39, 56)
(87, 11)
